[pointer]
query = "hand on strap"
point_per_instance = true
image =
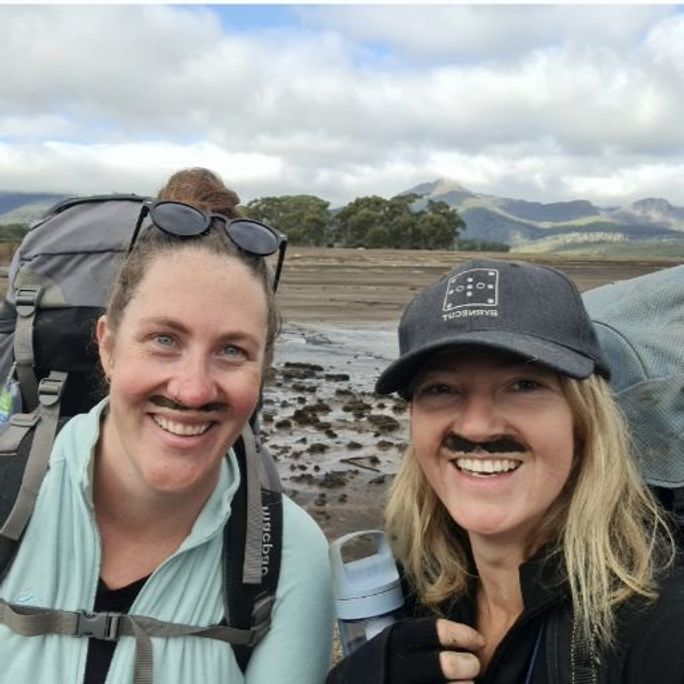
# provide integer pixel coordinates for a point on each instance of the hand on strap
(431, 651)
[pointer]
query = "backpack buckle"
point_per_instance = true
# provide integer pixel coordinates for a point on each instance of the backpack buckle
(103, 626)
(50, 388)
(26, 300)
(24, 420)
(261, 616)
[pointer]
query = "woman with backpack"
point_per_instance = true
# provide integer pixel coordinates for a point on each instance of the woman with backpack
(531, 551)
(127, 543)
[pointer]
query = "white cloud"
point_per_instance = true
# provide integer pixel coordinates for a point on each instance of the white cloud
(536, 102)
(138, 167)
(487, 32)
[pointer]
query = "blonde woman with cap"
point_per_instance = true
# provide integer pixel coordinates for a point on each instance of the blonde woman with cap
(530, 549)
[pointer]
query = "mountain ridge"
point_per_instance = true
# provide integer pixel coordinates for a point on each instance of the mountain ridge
(526, 224)
(523, 224)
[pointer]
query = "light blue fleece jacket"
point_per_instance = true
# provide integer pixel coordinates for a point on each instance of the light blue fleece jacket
(58, 565)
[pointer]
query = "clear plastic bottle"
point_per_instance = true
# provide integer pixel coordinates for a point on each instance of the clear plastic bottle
(367, 590)
(10, 399)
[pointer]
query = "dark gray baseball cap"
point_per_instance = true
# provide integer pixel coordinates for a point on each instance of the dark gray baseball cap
(533, 311)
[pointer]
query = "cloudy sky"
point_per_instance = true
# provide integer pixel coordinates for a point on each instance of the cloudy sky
(540, 102)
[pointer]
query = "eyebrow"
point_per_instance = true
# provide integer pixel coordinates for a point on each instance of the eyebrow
(166, 322)
(178, 326)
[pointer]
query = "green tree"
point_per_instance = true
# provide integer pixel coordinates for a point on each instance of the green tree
(305, 219)
(376, 222)
(434, 231)
(449, 214)
(402, 222)
(354, 221)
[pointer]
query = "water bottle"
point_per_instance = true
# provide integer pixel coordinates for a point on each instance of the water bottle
(10, 399)
(368, 594)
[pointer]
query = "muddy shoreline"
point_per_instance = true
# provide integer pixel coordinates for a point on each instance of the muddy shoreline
(337, 444)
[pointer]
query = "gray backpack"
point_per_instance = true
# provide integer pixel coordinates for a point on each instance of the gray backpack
(59, 281)
(640, 325)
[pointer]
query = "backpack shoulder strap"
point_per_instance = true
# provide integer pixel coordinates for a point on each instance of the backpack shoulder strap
(252, 544)
(27, 300)
(25, 447)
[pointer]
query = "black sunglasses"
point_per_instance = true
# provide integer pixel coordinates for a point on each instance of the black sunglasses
(184, 221)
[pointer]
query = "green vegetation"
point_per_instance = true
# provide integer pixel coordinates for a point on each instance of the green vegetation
(303, 218)
(12, 232)
(641, 249)
(481, 246)
(365, 222)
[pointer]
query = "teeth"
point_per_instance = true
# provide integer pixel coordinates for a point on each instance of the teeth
(481, 465)
(182, 429)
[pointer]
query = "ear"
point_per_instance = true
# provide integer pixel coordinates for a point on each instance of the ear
(105, 343)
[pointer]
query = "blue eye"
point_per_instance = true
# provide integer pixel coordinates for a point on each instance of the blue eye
(164, 340)
(233, 352)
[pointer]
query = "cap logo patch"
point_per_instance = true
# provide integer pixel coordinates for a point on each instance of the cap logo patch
(474, 292)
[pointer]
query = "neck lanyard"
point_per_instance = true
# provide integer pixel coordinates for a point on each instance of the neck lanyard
(535, 654)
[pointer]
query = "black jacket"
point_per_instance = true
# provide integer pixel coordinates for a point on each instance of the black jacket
(649, 644)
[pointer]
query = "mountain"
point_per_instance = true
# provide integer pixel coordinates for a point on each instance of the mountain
(654, 210)
(649, 226)
(577, 225)
(24, 207)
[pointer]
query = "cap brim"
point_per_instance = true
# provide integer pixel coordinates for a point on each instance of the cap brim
(398, 376)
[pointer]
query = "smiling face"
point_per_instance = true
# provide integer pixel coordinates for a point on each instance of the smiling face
(185, 366)
(494, 438)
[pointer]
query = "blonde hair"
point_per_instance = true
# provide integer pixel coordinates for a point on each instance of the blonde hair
(605, 525)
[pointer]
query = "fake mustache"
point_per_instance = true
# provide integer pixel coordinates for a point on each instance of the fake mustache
(499, 446)
(165, 402)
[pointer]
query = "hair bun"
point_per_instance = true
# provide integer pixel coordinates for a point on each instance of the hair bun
(203, 189)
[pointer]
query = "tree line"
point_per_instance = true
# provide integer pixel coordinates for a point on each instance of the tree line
(402, 222)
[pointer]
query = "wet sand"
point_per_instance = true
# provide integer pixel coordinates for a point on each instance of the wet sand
(337, 443)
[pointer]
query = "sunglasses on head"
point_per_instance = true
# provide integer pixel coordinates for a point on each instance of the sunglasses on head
(184, 221)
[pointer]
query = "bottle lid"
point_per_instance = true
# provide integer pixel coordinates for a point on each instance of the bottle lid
(368, 586)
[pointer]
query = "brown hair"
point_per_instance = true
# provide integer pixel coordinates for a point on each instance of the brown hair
(204, 190)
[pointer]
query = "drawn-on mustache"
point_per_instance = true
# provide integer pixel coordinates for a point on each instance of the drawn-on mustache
(462, 445)
(165, 402)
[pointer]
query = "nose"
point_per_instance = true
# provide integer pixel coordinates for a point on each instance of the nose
(193, 384)
(478, 419)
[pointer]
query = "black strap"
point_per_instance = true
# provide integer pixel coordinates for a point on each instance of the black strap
(250, 605)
